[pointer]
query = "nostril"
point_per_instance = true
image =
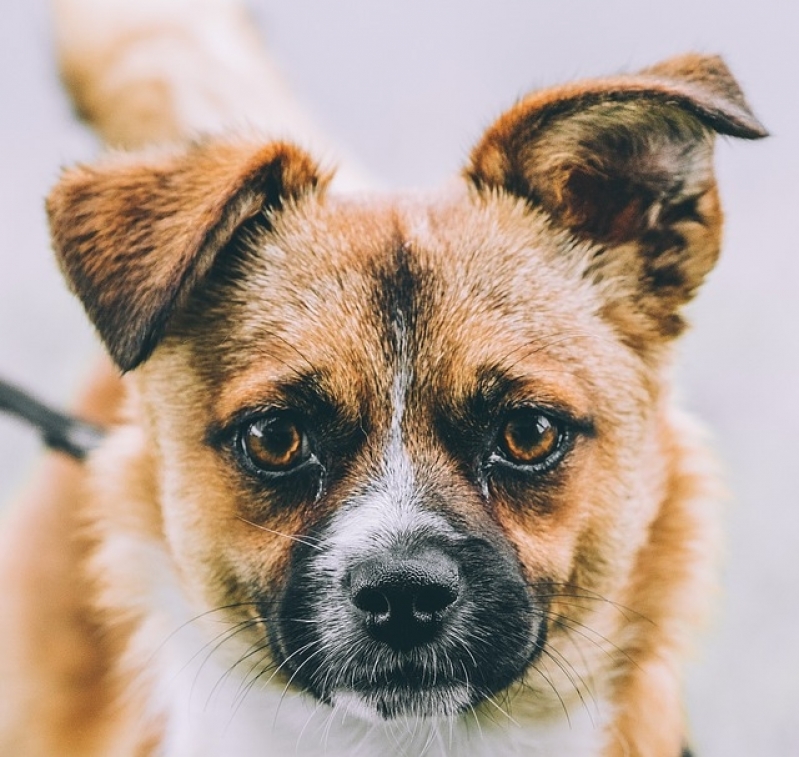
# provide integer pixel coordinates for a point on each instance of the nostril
(432, 599)
(371, 600)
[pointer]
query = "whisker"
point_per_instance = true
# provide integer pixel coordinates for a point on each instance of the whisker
(279, 667)
(245, 689)
(581, 652)
(224, 637)
(306, 724)
(327, 729)
(588, 594)
(544, 342)
(477, 722)
(196, 618)
(566, 667)
(246, 682)
(308, 541)
(465, 645)
(432, 733)
(555, 691)
(296, 351)
(583, 630)
(253, 649)
(291, 679)
(492, 701)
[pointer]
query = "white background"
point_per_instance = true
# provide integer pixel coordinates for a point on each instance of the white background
(408, 86)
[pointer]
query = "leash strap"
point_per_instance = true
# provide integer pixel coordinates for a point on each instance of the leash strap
(61, 432)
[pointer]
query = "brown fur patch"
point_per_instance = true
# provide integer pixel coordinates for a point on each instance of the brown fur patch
(625, 162)
(134, 237)
(52, 631)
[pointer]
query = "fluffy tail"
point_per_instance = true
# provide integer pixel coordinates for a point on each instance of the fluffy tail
(148, 71)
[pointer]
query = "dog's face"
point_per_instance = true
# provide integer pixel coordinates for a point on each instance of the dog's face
(408, 443)
(439, 440)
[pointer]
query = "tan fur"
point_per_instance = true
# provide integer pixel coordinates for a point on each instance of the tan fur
(223, 271)
(57, 691)
(178, 213)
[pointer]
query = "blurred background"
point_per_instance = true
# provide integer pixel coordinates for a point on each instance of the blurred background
(408, 87)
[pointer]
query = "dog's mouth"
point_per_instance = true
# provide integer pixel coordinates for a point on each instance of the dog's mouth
(440, 679)
(444, 685)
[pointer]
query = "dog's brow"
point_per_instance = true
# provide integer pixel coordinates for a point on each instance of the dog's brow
(309, 393)
(495, 389)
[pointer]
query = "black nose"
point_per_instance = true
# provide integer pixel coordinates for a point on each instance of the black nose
(404, 599)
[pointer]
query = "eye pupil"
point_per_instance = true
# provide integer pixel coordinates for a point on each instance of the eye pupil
(274, 443)
(529, 437)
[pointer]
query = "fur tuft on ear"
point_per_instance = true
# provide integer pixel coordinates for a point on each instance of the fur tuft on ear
(626, 162)
(134, 235)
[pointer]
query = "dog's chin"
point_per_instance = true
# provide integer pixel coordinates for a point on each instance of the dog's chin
(405, 691)
(441, 701)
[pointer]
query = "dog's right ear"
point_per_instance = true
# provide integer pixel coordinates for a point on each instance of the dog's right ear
(625, 164)
(134, 236)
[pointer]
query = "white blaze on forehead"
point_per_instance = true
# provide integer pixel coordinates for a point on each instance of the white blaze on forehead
(391, 506)
(404, 372)
(397, 465)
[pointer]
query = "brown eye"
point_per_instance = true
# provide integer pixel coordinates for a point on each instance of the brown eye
(530, 438)
(275, 443)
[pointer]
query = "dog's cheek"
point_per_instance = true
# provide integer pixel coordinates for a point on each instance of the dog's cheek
(213, 521)
(584, 526)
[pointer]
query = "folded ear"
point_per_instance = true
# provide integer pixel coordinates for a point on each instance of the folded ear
(626, 163)
(135, 235)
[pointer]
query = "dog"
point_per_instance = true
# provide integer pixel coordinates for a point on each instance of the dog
(388, 474)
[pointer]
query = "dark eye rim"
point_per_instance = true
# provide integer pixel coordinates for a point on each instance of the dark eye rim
(567, 427)
(239, 446)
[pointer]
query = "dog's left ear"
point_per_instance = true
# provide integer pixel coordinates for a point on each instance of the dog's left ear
(626, 163)
(135, 234)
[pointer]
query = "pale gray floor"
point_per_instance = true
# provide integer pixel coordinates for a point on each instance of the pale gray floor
(408, 86)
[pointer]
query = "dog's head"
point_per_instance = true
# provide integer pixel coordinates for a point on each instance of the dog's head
(398, 438)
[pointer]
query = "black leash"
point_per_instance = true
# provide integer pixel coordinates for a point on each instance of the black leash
(61, 432)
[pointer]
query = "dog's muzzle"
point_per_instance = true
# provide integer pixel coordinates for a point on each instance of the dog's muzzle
(425, 624)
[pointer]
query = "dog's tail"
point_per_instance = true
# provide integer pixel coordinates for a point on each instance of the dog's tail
(152, 71)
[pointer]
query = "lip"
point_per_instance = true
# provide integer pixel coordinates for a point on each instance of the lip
(389, 703)
(404, 687)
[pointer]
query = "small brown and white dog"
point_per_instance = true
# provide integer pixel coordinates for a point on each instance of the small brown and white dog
(391, 474)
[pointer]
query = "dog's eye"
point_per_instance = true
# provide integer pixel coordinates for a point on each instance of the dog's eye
(531, 438)
(275, 443)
